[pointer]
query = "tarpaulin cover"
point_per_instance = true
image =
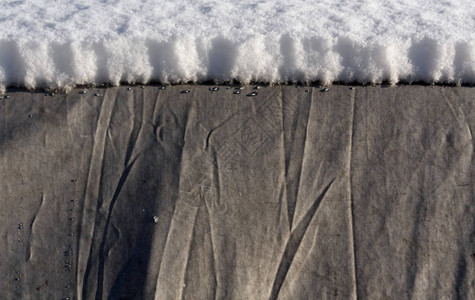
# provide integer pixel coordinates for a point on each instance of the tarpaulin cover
(294, 193)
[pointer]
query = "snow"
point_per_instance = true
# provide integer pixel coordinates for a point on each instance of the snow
(62, 43)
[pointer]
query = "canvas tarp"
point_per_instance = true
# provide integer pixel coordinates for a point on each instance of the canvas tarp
(294, 193)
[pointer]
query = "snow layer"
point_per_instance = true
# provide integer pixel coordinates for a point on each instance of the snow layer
(57, 44)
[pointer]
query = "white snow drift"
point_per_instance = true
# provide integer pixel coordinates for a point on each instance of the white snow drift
(58, 44)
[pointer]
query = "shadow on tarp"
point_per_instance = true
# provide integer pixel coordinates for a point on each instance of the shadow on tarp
(292, 193)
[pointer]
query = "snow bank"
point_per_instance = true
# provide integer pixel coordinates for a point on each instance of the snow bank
(59, 44)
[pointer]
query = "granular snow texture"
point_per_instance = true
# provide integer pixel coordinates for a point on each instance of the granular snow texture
(59, 44)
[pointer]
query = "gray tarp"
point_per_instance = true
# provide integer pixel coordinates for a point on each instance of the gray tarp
(291, 194)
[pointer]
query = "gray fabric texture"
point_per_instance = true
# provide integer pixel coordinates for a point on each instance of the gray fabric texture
(294, 193)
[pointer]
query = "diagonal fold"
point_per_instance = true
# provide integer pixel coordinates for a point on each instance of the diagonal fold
(294, 242)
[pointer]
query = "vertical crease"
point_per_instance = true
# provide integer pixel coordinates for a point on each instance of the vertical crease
(187, 263)
(350, 193)
(299, 182)
(102, 247)
(215, 290)
(94, 179)
(174, 209)
(283, 190)
(154, 264)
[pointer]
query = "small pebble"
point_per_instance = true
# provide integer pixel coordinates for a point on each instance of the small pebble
(155, 219)
(307, 91)
(352, 88)
(162, 87)
(185, 91)
(253, 94)
(214, 89)
(98, 95)
(129, 88)
(7, 97)
(257, 87)
(237, 92)
(324, 90)
(83, 92)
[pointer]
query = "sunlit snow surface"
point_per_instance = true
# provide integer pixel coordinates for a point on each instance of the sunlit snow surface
(45, 43)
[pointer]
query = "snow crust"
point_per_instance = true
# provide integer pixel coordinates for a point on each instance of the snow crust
(59, 44)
